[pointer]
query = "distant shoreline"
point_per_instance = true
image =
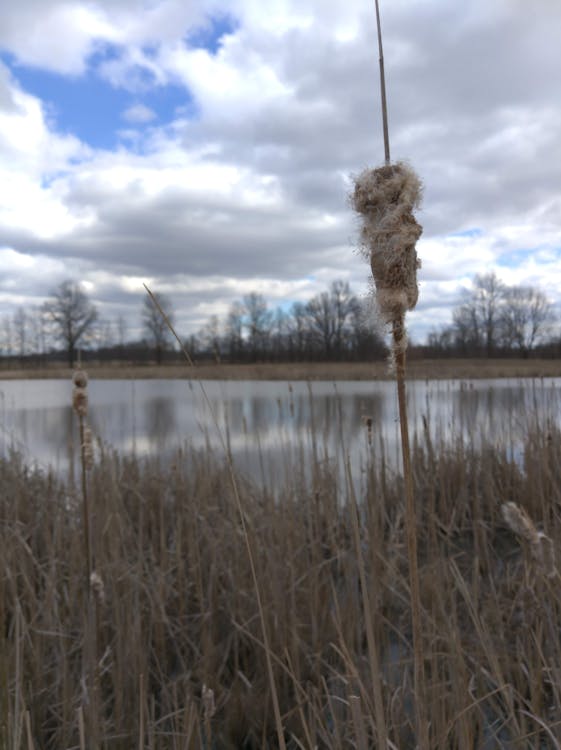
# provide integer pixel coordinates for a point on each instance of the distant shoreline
(431, 369)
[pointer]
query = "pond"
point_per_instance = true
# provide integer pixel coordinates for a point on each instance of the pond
(267, 424)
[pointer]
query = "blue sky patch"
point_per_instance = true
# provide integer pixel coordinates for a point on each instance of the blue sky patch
(210, 35)
(515, 258)
(91, 109)
(471, 232)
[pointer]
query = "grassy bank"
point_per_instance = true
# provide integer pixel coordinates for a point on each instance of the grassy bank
(177, 632)
(438, 369)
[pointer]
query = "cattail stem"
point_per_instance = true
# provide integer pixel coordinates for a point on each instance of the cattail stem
(419, 687)
(383, 88)
(85, 503)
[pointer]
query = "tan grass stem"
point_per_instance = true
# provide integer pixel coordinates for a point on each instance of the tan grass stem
(245, 533)
(91, 633)
(383, 88)
(375, 675)
(411, 529)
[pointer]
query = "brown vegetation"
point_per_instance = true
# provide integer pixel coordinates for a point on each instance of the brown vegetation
(181, 659)
(417, 369)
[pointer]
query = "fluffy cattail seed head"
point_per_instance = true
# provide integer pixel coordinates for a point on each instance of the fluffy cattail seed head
(80, 379)
(520, 522)
(80, 401)
(541, 546)
(386, 198)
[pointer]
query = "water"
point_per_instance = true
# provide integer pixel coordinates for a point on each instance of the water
(265, 423)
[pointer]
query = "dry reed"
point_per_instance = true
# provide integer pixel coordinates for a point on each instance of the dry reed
(386, 198)
(180, 617)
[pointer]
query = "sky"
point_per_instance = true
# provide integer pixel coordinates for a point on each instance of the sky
(207, 148)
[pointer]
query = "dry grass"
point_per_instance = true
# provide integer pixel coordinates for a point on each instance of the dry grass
(417, 369)
(177, 607)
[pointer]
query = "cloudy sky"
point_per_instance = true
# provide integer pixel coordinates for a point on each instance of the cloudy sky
(206, 147)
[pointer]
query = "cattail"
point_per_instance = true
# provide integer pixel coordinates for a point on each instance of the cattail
(368, 421)
(96, 582)
(541, 545)
(386, 198)
(87, 447)
(80, 401)
(80, 378)
(209, 706)
(520, 522)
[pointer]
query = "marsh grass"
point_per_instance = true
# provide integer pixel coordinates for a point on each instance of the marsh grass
(179, 617)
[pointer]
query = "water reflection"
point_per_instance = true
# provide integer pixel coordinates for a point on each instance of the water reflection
(266, 424)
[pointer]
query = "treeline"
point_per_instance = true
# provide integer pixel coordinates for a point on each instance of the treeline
(334, 325)
(493, 320)
(496, 320)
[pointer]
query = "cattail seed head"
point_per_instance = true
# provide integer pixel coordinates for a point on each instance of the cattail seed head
(96, 582)
(80, 401)
(520, 522)
(209, 706)
(386, 198)
(368, 422)
(541, 546)
(80, 379)
(87, 448)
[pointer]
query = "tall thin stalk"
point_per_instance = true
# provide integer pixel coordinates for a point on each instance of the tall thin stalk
(386, 198)
(91, 630)
(411, 528)
(245, 533)
(383, 88)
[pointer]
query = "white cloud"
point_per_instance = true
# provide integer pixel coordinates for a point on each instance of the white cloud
(55, 36)
(250, 190)
(139, 113)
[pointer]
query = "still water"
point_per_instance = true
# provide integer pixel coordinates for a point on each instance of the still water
(264, 423)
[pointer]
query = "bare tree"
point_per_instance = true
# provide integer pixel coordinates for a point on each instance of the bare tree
(234, 330)
(72, 316)
(155, 327)
(298, 329)
(526, 317)
(279, 334)
(7, 336)
(344, 304)
(321, 323)
(467, 333)
(210, 337)
(329, 315)
(258, 322)
(487, 300)
(477, 320)
(122, 330)
(20, 325)
(365, 332)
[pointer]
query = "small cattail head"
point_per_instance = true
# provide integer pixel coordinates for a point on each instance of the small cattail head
(386, 198)
(520, 522)
(80, 401)
(87, 448)
(209, 706)
(98, 588)
(541, 545)
(80, 378)
(368, 422)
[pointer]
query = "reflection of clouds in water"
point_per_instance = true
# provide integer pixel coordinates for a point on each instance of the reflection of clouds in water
(270, 424)
(503, 410)
(160, 419)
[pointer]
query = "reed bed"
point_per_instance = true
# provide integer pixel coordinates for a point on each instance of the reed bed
(180, 654)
